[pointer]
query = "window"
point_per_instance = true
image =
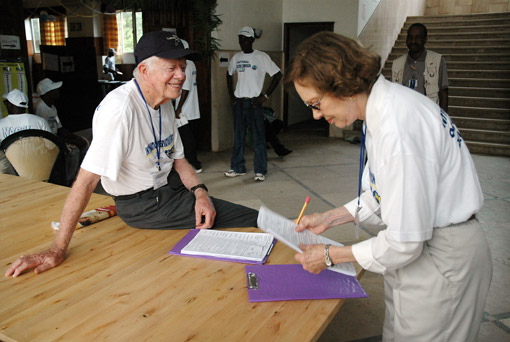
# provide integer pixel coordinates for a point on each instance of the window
(130, 30)
(36, 34)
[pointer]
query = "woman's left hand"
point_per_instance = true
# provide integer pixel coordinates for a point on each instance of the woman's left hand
(312, 258)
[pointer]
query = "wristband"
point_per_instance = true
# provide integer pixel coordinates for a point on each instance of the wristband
(265, 95)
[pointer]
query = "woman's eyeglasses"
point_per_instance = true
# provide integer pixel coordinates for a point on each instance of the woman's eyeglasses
(316, 105)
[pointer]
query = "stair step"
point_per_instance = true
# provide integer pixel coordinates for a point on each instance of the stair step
(460, 35)
(433, 22)
(488, 148)
(479, 112)
(451, 17)
(467, 57)
(478, 82)
(493, 74)
(431, 42)
(486, 102)
(497, 137)
(481, 123)
(464, 29)
(446, 50)
(462, 65)
(478, 91)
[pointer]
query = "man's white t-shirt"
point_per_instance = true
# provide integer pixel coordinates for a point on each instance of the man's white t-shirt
(19, 122)
(123, 149)
(190, 108)
(251, 70)
(49, 114)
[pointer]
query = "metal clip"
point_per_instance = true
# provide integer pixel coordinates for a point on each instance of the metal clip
(252, 281)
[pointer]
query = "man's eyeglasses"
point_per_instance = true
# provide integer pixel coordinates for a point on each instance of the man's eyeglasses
(316, 105)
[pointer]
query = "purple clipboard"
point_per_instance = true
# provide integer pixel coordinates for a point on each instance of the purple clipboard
(292, 282)
(191, 234)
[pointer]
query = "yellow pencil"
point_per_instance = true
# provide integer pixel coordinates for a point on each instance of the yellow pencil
(303, 210)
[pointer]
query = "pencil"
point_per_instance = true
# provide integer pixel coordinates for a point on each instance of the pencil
(303, 210)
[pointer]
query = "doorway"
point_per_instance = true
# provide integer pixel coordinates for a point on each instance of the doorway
(295, 112)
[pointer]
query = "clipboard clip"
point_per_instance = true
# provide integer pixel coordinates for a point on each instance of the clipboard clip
(253, 282)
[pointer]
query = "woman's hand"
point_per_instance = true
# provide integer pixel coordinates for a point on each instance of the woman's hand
(312, 258)
(42, 261)
(314, 223)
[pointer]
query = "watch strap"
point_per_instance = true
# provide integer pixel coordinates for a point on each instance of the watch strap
(327, 258)
(193, 189)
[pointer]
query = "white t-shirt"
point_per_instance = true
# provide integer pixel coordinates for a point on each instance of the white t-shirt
(419, 175)
(20, 122)
(110, 62)
(251, 70)
(123, 148)
(49, 114)
(190, 108)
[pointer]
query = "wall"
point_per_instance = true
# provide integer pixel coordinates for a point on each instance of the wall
(263, 14)
(447, 7)
(365, 10)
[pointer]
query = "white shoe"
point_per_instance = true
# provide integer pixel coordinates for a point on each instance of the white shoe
(260, 177)
(232, 173)
(199, 170)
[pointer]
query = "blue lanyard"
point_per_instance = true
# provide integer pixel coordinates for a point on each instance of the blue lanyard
(361, 161)
(156, 141)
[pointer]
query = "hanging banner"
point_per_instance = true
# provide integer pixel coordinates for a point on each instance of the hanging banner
(13, 76)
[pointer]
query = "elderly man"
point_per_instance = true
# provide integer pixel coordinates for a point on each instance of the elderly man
(138, 155)
(421, 69)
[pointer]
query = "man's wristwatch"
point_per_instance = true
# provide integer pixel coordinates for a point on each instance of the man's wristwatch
(197, 187)
(327, 259)
(265, 95)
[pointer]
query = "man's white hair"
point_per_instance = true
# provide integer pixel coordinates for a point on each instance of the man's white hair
(149, 63)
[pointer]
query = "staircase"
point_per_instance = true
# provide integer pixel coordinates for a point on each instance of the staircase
(477, 52)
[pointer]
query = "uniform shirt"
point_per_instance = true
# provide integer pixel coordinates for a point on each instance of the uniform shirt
(415, 69)
(123, 150)
(20, 122)
(49, 114)
(251, 70)
(190, 108)
(419, 176)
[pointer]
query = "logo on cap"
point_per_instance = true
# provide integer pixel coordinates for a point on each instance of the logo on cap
(177, 39)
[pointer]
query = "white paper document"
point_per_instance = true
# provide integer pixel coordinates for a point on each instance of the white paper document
(231, 245)
(284, 230)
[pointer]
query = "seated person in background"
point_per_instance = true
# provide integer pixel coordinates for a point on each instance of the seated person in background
(16, 103)
(109, 68)
(273, 126)
(143, 168)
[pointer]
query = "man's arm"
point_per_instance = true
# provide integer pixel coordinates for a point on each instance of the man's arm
(72, 138)
(74, 205)
(443, 99)
(275, 79)
(230, 86)
(182, 100)
(204, 208)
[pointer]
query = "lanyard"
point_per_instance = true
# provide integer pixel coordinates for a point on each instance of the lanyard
(156, 141)
(361, 167)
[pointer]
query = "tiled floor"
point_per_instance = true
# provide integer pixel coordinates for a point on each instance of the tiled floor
(326, 169)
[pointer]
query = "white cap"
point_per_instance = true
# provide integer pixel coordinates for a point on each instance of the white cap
(247, 32)
(47, 85)
(17, 98)
(185, 44)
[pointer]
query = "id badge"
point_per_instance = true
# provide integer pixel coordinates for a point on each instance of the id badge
(413, 84)
(159, 179)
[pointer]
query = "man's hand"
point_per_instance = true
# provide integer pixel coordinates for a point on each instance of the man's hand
(259, 101)
(315, 223)
(40, 261)
(312, 258)
(204, 208)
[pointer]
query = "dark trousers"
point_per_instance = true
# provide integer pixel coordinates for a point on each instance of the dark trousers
(173, 207)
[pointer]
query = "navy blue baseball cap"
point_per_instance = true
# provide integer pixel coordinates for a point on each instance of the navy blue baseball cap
(162, 44)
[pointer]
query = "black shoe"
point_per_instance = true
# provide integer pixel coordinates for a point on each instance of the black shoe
(283, 152)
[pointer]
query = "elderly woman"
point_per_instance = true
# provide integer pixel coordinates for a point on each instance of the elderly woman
(419, 181)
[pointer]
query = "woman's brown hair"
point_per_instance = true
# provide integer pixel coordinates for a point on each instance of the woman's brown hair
(334, 64)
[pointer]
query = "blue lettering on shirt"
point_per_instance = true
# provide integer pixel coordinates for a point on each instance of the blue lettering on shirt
(448, 124)
(6, 131)
(241, 66)
(167, 145)
(373, 187)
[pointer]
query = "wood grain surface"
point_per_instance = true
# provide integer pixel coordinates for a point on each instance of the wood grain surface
(120, 284)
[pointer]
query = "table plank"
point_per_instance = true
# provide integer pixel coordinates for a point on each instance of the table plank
(120, 283)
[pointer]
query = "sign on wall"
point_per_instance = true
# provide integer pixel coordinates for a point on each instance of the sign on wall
(13, 76)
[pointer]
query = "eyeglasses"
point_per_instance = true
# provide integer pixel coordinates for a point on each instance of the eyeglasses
(316, 105)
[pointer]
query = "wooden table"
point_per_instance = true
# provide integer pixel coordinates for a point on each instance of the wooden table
(120, 284)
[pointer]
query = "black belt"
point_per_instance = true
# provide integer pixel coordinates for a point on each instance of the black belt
(135, 195)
